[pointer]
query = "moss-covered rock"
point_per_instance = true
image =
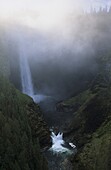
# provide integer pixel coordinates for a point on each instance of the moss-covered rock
(96, 154)
(91, 131)
(90, 128)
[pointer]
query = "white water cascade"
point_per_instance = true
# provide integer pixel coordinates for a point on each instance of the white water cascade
(60, 146)
(26, 79)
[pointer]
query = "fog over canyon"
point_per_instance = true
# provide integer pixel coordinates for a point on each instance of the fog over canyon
(54, 48)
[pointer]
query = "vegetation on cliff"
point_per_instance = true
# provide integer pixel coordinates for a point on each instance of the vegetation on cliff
(22, 129)
(90, 128)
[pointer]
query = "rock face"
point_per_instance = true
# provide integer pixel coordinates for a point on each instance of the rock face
(39, 127)
(90, 128)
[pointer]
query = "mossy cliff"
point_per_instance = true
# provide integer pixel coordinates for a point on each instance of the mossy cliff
(90, 128)
(22, 129)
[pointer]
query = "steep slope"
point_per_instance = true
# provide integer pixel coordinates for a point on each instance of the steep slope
(22, 129)
(90, 128)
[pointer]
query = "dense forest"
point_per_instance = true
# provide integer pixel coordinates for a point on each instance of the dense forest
(23, 132)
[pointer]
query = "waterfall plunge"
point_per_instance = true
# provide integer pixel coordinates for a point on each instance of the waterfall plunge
(26, 78)
(27, 85)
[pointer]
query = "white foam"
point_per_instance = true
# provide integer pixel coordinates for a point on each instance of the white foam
(39, 97)
(57, 142)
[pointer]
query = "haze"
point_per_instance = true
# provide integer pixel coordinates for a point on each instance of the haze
(56, 37)
(45, 14)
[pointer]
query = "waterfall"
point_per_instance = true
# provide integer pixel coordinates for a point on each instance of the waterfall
(26, 79)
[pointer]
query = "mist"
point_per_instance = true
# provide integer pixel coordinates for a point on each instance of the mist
(59, 40)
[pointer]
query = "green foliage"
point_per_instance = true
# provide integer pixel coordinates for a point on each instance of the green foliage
(91, 125)
(18, 149)
(97, 153)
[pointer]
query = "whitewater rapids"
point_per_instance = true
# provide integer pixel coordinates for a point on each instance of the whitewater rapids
(58, 144)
